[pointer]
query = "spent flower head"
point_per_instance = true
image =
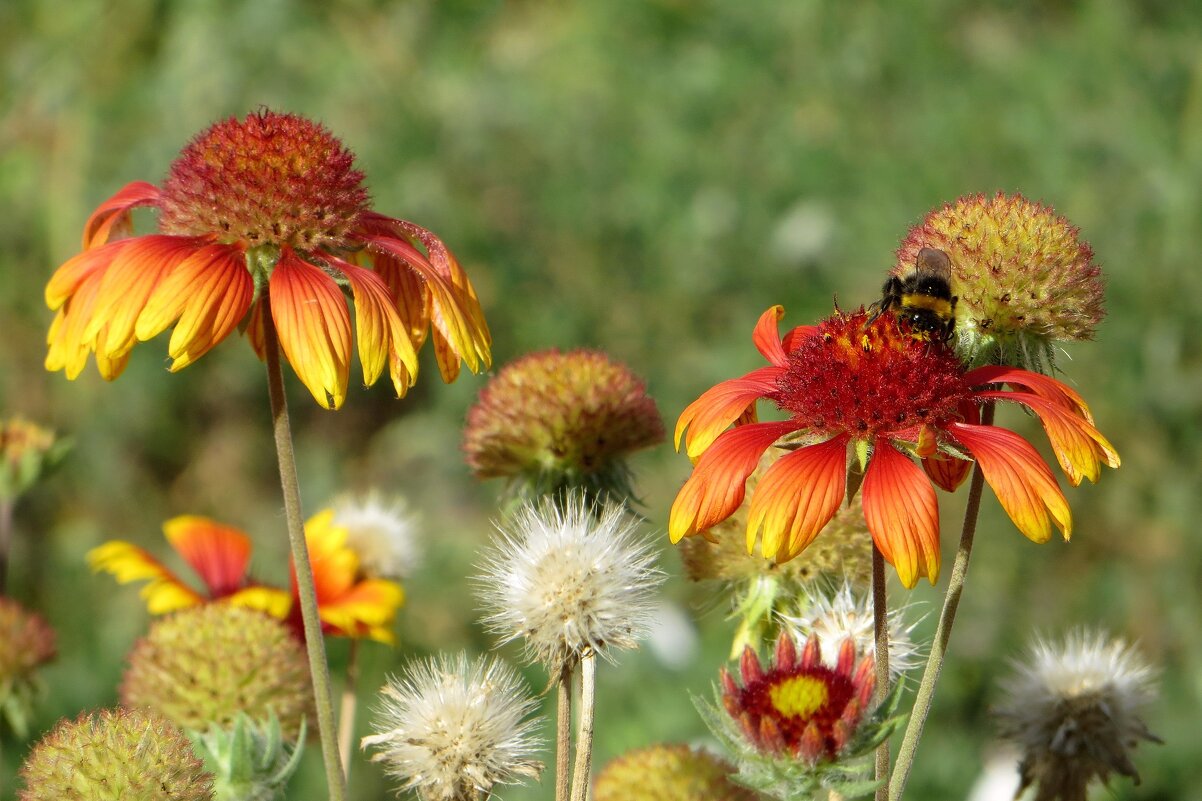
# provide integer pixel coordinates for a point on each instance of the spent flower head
(1074, 709)
(115, 755)
(451, 730)
(662, 772)
(1023, 277)
(554, 421)
(381, 531)
(568, 578)
(265, 219)
(26, 643)
(205, 665)
(860, 386)
(27, 450)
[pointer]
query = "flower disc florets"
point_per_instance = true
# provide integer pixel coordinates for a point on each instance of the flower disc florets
(868, 377)
(268, 179)
(1022, 275)
(661, 772)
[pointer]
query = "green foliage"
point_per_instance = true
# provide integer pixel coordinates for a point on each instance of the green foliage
(250, 760)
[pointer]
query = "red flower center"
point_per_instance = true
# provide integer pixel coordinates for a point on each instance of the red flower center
(870, 377)
(796, 698)
(269, 179)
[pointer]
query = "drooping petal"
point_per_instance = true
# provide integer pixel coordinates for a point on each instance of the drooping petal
(796, 497)
(410, 296)
(206, 296)
(1080, 448)
(67, 350)
(1024, 485)
(381, 335)
(314, 327)
(767, 336)
(721, 405)
(718, 483)
(112, 216)
(127, 284)
(1042, 385)
(902, 513)
(947, 472)
(127, 562)
(218, 553)
(80, 268)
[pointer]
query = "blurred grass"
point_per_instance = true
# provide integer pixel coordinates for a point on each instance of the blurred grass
(644, 177)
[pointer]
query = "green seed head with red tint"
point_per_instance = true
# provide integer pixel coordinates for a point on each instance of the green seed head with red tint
(270, 179)
(869, 377)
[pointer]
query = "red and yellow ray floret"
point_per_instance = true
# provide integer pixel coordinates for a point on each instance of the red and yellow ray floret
(265, 213)
(798, 706)
(866, 386)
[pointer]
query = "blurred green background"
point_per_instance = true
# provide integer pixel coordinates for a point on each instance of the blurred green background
(646, 178)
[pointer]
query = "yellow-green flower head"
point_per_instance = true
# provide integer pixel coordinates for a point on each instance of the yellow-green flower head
(667, 772)
(205, 664)
(26, 450)
(26, 643)
(551, 421)
(115, 755)
(1023, 277)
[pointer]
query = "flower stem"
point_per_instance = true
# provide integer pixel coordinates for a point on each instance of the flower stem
(943, 632)
(6, 537)
(880, 620)
(346, 712)
(563, 732)
(584, 741)
(314, 641)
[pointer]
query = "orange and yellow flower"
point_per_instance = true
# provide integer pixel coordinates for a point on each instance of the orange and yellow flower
(257, 216)
(870, 386)
(349, 605)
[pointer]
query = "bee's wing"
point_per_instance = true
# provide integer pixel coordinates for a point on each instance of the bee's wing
(933, 260)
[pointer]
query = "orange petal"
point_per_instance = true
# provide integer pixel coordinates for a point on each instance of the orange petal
(314, 327)
(219, 554)
(81, 267)
(114, 212)
(379, 330)
(1080, 448)
(767, 336)
(1022, 482)
(721, 405)
(718, 483)
(410, 296)
(794, 338)
(947, 472)
(67, 349)
(205, 297)
(127, 283)
(902, 513)
(127, 562)
(796, 497)
(367, 609)
(334, 565)
(1042, 385)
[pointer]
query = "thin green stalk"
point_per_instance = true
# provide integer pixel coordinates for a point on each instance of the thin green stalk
(314, 641)
(943, 632)
(6, 538)
(880, 620)
(563, 732)
(584, 741)
(347, 709)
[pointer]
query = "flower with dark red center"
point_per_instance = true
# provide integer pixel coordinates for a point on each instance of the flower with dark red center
(869, 385)
(798, 706)
(265, 215)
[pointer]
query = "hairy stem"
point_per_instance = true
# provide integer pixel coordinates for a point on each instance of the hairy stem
(943, 632)
(563, 732)
(347, 709)
(314, 641)
(584, 741)
(880, 620)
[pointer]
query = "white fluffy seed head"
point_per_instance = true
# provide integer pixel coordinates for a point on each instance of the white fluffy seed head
(382, 532)
(837, 615)
(569, 577)
(451, 730)
(1074, 710)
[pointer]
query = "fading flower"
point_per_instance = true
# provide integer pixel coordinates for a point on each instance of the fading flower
(452, 730)
(114, 755)
(1023, 277)
(381, 532)
(667, 772)
(205, 665)
(862, 386)
(1074, 709)
(26, 643)
(553, 421)
(569, 579)
(265, 215)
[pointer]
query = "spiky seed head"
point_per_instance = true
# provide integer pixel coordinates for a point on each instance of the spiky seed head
(662, 772)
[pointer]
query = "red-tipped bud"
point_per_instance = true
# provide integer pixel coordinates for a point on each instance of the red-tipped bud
(749, 667)
(786, 652)
(811, 656)
(847, 658)
(812, 745)
(770, 737)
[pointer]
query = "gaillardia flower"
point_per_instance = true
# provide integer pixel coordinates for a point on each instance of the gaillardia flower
(348, 603)
(554, 421)
(265, 215)
(866, 385)
(1023, 278)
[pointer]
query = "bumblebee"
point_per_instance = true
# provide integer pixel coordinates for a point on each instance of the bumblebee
(922, 297)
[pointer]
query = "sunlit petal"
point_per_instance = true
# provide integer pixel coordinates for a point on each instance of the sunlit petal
(365, 610)
(67, 349)
(127, 562)
(721, 405)
(219, 554)
(269, 600)
(314, 327)
(1080, 448)
(902, 513)
(381, 335)
(796, 497)
(1042, 385)
(947, 472)
(80, 268)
